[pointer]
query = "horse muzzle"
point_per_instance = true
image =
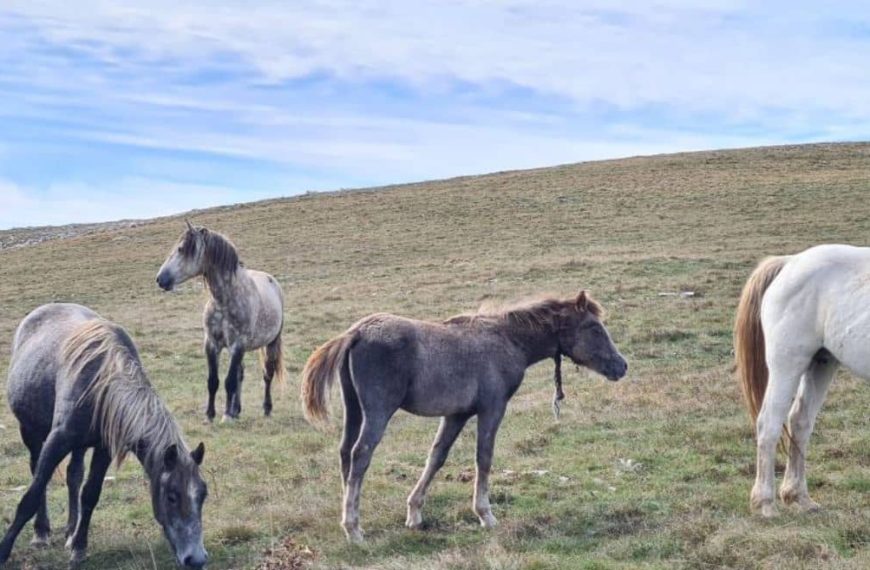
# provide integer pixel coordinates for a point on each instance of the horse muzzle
(616, 369)
(165, 282)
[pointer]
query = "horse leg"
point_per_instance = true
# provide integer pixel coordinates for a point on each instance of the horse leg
(55, 448)
(212, 354)
(41, 526)
(78, 541)
(487, 427)
(448, 431)
(75, 473)
(372, 431)
(353, 419)
(237, 399)
(801, 420)
(785, 375)
(232, 382)
(271, 363)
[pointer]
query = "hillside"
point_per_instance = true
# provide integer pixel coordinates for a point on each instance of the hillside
(632, 231)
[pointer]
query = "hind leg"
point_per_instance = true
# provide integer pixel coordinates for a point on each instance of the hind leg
(448, 431)
(801, 420)
(372, 431)
(271, 364)
(212, 355)
(786, 370)
(41, 526)
(352, 423)
(75, 473)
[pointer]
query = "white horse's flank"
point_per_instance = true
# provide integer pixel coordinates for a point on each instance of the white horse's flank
(799, 318)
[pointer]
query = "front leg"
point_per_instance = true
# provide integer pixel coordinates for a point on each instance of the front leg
(56, 447)
(233, 383)
(487, 427)
(78, 542)
(212, 355)
(75, 473)
(447, 433)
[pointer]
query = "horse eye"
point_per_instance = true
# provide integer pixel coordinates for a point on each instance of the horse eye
(172, 498)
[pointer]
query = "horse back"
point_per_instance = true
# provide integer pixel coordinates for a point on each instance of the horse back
(35, 366)
(431, 369)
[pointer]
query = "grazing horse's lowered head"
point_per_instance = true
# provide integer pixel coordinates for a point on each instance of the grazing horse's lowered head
(197, 252)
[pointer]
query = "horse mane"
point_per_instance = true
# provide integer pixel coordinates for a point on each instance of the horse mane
(540, 313)
(219, 256)
(127, 410)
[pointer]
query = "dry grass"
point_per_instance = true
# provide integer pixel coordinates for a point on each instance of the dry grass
(627, 230)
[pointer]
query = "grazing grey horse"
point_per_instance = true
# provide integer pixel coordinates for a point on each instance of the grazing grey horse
(468, 365)
(245, 312)
(76, 382)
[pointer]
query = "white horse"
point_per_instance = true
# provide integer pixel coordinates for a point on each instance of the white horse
(799, 317)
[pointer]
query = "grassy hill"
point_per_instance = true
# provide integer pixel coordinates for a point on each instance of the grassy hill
(632, 231)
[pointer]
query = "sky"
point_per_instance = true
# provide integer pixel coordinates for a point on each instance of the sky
(111, 109)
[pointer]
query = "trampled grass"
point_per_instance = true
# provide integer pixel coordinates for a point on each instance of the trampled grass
(650, 472)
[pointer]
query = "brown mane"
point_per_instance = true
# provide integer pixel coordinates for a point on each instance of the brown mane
(536, 313)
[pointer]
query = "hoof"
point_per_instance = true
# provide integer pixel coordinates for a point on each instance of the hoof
(805, 504)
(354, 535)
(766, 510)
(227, 419)
(76, 558)
(39, 541)
(488, 521)
(414, 520)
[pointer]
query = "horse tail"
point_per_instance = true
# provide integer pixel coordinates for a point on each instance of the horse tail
(273, 355)
(319, 374)
(749, 335)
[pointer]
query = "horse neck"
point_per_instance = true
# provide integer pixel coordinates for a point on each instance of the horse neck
(224, 285)
(537, 343)
(151, 448)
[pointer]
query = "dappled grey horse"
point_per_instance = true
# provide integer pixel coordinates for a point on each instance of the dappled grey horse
(245, 312)
(76, 382)
(468, 365)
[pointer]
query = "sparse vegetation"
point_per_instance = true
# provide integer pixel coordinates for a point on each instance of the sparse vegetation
(566, 494)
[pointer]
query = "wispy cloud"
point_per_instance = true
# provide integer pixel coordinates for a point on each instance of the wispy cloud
(272, 98)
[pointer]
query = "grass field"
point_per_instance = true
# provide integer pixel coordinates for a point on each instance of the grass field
(651, 472)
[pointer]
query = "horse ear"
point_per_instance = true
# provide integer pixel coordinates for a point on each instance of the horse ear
(582, 302)
(198, 453)
(189, 226)
(170, 457)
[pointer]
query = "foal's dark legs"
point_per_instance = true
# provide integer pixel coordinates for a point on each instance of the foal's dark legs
(41, 526)
(448, 431)
(487, 426)
(78, 542)
(233, 382)
(55, 448)
(75, 473)
(212, 353)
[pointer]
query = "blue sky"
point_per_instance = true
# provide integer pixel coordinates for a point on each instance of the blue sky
(110, 110)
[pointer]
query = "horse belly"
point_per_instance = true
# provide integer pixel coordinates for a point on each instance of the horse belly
(441, 396)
